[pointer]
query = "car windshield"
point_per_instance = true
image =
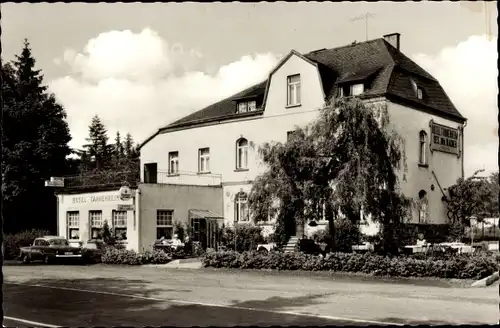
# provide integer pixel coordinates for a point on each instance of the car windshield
(59, 242)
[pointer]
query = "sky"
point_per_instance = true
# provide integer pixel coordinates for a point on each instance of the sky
(141, 66)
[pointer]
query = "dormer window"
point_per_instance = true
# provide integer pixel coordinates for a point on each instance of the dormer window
(357, 89)
(419, 92)
(350, 90)
(247, 106)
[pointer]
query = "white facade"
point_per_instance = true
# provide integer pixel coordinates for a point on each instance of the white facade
(278, 119)
(79, 213)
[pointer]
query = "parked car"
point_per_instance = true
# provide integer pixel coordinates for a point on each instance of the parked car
(48, 249)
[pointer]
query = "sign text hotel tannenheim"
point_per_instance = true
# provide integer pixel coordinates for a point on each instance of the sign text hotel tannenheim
(96, 199)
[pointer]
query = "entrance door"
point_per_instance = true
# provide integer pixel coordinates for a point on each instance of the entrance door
(203, 233)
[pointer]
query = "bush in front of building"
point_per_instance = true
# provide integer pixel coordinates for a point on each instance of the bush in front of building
(247, 237)
(112, 255)
(14, 242)
(458, 267)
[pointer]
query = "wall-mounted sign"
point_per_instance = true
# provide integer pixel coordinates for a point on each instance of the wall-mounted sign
(444, 138)
(95, 199)
(126, 207)
(55, 182)
(125, 193)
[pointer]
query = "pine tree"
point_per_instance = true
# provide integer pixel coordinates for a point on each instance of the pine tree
(118, 151)
(98, 150)
(35, 138)
(128, 146)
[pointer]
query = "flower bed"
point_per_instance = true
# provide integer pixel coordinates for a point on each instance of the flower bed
(458, 267)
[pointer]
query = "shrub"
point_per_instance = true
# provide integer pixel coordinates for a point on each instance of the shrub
(91, 256)
(346, 235)
(180, 230)
(113, 255)
(460, 267)
(13, 242)
(247, 237)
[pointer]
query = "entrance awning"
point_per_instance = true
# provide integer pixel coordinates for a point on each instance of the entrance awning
(205, 214)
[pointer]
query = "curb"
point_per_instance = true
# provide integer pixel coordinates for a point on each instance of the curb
(177, 264)
(488, 281)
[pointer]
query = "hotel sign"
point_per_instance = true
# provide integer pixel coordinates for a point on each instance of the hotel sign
(96, 199)
(444, 138)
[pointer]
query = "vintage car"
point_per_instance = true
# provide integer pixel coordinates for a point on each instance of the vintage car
(49, 249)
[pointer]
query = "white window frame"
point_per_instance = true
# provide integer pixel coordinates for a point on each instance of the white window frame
(242, 154)
(119, 223)
(293, 90)
(422, 156)
(241, 201)
(173, 162)
(357, 89)
(164, 220)
(251, 106)
(204, 160)
(242, 107)
(73, 224)
(420, 93)
(96, 222)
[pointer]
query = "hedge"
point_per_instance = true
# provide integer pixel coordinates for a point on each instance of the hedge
(459, 267)
(14, 242)
(112, 255)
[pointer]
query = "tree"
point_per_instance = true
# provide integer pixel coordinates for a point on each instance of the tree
(35, 138)
(346, 162)
(98, 150)
(471, 198)
(118, 151)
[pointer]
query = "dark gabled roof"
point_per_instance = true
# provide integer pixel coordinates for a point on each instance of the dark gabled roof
(388, 70)
(391, 71)
(223, 109)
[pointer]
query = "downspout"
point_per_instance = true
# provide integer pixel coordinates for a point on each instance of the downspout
(137, 215)
(462, 150)
(57, 214)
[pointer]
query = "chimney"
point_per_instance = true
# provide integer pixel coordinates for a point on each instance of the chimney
(393, 39)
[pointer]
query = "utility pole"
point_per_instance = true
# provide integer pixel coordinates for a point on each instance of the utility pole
(364, 17)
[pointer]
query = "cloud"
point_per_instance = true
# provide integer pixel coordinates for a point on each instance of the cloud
(137, 82)
(468, 73)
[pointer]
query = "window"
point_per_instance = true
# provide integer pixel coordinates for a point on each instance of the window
(420, 93)
(164, 225)
(242, 153)
(173, 162)
(119, 221)
(350, 90)
(95, 224)
(357, 89)
(241, 207)
(73, 225)
(252, 106)
(422, 156)
(422, 210)
(150, 172)
(293, 97)
(242, 107)
(247, 106)
(204, 160)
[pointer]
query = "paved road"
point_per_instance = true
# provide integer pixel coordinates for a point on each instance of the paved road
(102, 296)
